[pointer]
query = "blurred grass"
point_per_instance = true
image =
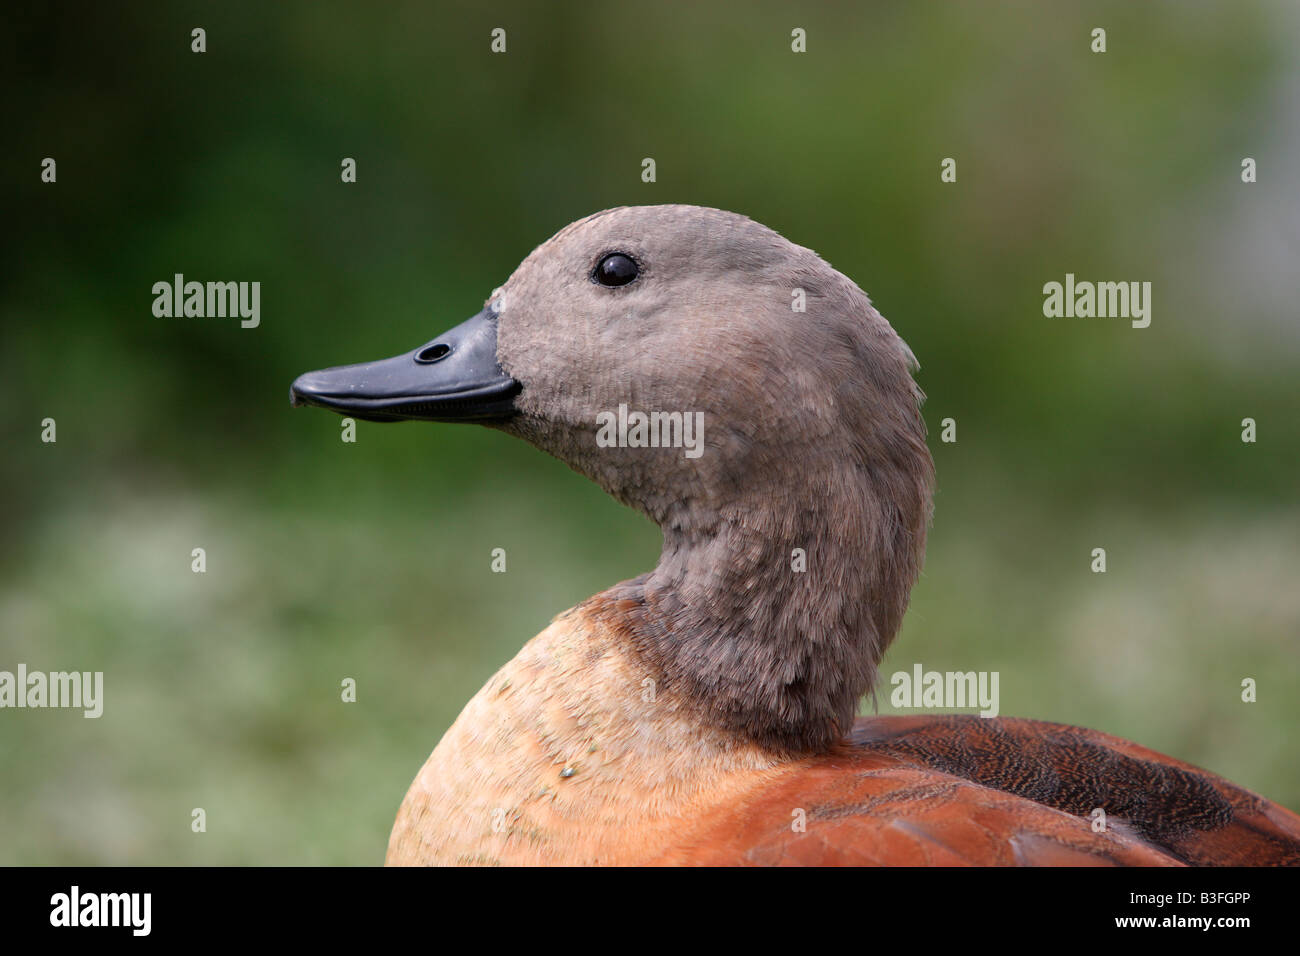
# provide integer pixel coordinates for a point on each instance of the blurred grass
(328, 560)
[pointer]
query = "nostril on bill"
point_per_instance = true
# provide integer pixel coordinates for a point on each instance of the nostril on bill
(432, 353)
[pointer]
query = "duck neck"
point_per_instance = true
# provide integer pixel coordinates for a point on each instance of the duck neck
(770, 614)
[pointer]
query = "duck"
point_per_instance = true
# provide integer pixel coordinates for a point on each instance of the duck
(705, 712)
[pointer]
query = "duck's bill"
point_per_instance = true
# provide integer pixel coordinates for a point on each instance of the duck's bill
(454, 378)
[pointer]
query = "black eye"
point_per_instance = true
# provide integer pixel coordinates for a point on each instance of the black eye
(615, 269)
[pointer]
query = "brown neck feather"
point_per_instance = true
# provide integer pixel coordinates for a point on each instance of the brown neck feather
(756, 646)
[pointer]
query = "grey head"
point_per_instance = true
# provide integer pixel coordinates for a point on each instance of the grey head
(745, 396)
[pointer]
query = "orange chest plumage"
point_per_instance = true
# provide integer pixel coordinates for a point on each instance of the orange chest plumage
(572, 755)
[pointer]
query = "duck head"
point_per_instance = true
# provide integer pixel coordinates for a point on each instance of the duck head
(744, 395)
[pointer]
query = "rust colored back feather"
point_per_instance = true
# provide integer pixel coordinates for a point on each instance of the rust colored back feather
(959, 790)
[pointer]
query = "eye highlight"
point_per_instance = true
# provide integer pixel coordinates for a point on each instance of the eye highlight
(615, 269)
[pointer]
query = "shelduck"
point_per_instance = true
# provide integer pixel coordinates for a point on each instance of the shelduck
(704, 712)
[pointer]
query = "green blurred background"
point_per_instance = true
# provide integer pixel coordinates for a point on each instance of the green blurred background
(371, 560)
